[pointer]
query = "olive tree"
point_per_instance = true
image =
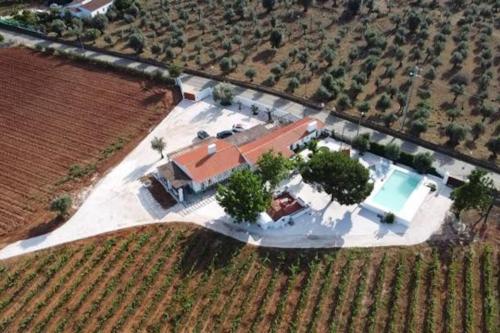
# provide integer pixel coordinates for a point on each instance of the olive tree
(268, 5)
(223, 92)
(392, 151)
(456, 133)
(250, 73)
(423, 162)
(493, 146)
(137, 41)
(276, 38)
(61, 205)
(477, 193)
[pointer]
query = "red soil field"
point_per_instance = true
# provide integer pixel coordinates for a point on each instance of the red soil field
(55, 113)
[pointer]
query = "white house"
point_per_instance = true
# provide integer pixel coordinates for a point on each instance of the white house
(88, 8)
(212, 161)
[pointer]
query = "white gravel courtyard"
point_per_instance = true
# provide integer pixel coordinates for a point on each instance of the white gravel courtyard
(119, 200)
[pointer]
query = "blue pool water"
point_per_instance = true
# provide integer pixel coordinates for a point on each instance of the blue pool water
(396, 190)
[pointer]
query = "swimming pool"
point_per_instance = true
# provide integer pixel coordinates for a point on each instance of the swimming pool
(402, 193)
(396, 190)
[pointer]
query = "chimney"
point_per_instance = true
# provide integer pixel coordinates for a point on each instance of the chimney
(311, 127)
(212, 148)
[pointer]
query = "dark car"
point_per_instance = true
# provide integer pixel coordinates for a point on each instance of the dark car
(202, 135)
(224, 134)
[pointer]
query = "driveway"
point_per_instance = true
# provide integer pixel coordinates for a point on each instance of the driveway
(119, 200)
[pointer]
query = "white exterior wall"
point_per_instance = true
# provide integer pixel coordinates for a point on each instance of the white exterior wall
(306, 139)
(203, 94)
(198, 187)
(86, 13)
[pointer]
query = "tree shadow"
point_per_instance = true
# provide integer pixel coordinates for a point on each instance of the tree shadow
(264, 56)
(206, 249)
(46, 227)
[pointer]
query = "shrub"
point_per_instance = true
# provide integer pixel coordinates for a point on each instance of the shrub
(377, 149)
(493, 146)
(392, 151)
(250, 74)
(388, 119)
(61, 204)
(58, 27)
(384, 102)
(100, 22)
(418, 126)
(361, 142)
(456, 133)
(77, 171)
(389, 218)
(137, 41)
(344, 102)
(323, 94)
(226, 64)
(223, 93)
(293, 84)
(422, 162)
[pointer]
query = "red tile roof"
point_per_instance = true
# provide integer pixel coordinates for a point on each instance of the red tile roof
(201, 166)
(278, 140)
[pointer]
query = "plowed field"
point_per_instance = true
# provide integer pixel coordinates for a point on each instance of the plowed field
(55, 113)
(178, 278)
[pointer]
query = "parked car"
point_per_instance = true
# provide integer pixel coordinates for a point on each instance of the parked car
(202, 135)
(238, 128)
(224, 134)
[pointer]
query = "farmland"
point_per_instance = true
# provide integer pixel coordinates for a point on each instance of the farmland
(180, 277)
(61, 125)
(439, 57)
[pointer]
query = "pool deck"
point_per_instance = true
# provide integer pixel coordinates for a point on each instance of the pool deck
(413, 202)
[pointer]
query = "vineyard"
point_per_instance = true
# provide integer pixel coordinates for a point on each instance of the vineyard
(182, 278)
(60, 122)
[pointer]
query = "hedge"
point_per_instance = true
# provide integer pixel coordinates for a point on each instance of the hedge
(404, 158)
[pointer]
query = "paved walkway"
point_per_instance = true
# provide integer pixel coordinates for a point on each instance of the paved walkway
(344, 128)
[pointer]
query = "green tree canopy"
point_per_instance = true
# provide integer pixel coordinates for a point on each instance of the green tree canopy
(477, 193)
(137, 41)
(268, 4)
(58, 27)
(158, 144)
(100, 22)
(223, 93)
(276, 38)
(244, 196)
(344, 179)
(273, 168)
(423, 162)
(61, 204)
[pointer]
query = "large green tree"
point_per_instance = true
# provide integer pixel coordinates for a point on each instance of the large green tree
(273, 168)
(244, 196)
(344, 179)
(477, 193)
